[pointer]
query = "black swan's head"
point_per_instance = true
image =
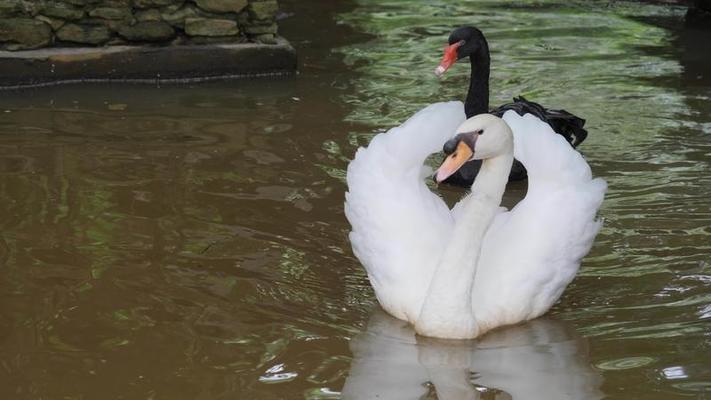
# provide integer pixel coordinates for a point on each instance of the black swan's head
(466, 41)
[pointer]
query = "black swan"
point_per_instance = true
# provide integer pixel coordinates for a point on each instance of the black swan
(470, 42)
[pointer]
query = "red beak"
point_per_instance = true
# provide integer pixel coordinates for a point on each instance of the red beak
(449, 58)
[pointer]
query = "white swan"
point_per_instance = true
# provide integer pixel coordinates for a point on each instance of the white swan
(459, 273)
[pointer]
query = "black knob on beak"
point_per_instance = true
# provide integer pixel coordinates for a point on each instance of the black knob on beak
(450, 146)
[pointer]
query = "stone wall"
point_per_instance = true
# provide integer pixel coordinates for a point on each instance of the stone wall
(32, 24)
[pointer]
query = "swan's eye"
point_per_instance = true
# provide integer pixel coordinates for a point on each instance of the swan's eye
(479, 132)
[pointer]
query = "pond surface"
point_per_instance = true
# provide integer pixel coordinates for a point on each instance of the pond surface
(188, 242)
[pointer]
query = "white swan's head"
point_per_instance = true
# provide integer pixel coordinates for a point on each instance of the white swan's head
(478, 138)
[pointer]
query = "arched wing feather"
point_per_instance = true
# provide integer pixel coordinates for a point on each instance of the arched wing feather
(399, 227)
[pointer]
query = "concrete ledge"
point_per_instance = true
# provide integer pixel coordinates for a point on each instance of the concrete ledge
(144, 64)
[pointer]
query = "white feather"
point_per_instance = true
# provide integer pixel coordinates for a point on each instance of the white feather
(399, 227)
(529, 254)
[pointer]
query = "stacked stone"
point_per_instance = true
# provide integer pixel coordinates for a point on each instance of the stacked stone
(32, 24)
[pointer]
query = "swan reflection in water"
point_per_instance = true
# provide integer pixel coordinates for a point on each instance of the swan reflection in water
(541, 359)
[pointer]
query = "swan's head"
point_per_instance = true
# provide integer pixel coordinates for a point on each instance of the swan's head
(463, 42)
(478, 138)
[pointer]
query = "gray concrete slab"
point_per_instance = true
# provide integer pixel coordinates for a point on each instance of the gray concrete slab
(144, 63)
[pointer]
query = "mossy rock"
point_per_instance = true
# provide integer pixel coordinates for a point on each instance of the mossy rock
(177, 16)
(222, 6)
(210, 27)
(84, 34)
(266, 38)
(82, 2)
(24, 33)
(116, 3)
(148, 15)
(14, 8)
(55, 23)
(152, 3)
(112, 13)
(61, 10)
(263, 10)
(261, 29)
(149, 31)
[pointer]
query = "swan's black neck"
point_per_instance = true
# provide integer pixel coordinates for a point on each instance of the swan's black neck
(477, 101)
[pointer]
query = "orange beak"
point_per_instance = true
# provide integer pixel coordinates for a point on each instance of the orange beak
(449, 58)
(454, 161)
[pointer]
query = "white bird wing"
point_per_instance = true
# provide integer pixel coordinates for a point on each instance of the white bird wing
(532, 252)
(399, 227)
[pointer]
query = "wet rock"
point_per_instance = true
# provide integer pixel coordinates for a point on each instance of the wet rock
(116, 3)
(263, 10)
(111, 13)
(81, 2)
(85, 34)
(60, 10)
(177, 17)
(172, 8)
(116, 41)
(261, 29)
(150, 31)
(24, 33)
(266, 38)
(11, 8)
(148, 15)
(222, 5)
(210, 27)
(152, 3)
(53, 22)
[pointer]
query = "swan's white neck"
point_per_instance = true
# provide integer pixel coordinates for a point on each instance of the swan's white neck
(447, 309)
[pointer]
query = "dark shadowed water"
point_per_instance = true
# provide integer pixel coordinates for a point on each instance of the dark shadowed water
(188, 242)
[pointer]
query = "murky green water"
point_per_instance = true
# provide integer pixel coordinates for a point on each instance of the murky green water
(189, 242)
